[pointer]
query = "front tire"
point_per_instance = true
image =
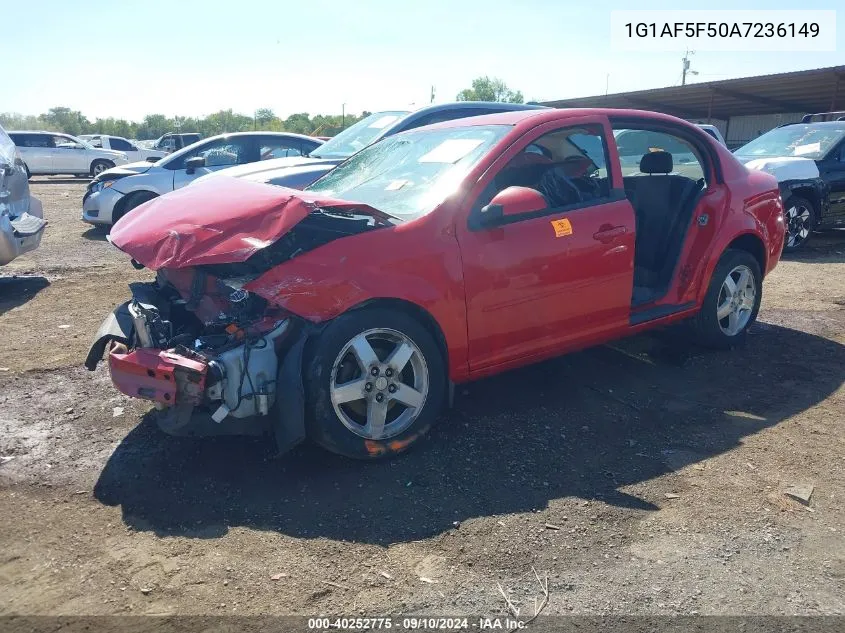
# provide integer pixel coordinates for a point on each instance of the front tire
(133, 200)
(99, 166)
(800, 217)
(375, 382)
(732, 301)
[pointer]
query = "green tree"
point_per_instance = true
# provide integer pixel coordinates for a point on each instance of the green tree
(264, 117)
(299, 123)
(154, 125)
(490, 89)
(67, 120)
(63, 119)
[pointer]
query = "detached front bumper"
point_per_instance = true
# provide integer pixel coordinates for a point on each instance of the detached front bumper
(181, 382)
(98, 206)
(19, 235)
(158, 375)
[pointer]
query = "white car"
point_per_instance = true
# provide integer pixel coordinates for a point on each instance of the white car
(117, 191)
(713, 131)
(55, 153)
(119, 144)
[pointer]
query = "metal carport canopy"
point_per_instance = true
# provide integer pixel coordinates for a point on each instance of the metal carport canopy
(818, 90)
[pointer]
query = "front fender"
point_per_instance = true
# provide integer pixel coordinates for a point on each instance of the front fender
(417, 264)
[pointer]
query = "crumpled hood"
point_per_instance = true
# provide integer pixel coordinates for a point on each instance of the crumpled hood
(783, 167)
(220, 221)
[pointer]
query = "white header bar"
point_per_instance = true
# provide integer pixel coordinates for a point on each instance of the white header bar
(711, 30)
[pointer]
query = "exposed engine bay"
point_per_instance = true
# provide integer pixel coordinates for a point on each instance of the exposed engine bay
(197, 347)
(205, 341)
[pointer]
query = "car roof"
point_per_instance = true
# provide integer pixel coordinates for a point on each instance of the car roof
(408, 119)
(36, 132)
(303, 137)
(529, 118)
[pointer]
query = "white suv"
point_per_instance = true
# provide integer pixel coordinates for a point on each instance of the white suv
(56, 153)
(119, 144)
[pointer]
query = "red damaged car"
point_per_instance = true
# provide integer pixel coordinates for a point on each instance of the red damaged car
(345, 313)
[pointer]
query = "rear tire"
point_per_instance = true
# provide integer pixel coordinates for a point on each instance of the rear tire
(133, 200)
(800, 217)
(732, 301)
(99, 166)
(375, 381)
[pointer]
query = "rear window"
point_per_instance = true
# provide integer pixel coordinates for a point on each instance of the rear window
(32, 140)
(120, 145)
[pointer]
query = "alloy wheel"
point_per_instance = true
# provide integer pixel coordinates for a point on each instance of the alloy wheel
(737, 298)
(379, 383)
(797, 225)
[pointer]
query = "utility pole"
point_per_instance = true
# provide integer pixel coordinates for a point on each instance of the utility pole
(343, 117)
(432, 94)
(686, 69)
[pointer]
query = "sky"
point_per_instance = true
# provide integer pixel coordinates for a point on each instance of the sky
(126, 59)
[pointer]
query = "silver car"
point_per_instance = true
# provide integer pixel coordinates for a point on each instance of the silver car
(57, 153)
(21, 217)
(117, 191)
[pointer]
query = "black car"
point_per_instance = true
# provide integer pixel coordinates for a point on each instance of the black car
(808, 159)
(173, 141)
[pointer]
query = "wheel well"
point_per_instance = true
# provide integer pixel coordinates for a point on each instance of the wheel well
(754, 245)
(416, 312)
(120, 205)
(100, 160)
(811, 194)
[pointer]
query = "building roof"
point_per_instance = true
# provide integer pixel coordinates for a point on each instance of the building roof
(818, 90)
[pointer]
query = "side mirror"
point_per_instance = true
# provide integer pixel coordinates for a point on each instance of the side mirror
(193, 163)
(513, 201)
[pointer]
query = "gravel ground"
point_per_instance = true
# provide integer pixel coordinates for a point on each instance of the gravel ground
(645, 477)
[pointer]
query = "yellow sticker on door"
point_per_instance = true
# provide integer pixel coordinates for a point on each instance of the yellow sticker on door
(562, 227)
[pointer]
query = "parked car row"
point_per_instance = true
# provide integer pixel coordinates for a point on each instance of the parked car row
(346, 312)
(291, 160)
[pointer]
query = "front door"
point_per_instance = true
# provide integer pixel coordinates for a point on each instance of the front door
(69, 157)
(219, 154)
(543, 282)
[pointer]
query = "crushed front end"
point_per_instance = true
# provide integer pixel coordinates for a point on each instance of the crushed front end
(206, 353)
(213, 355)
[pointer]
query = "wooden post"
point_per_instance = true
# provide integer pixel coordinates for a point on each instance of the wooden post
(710, 108)
(835, 93)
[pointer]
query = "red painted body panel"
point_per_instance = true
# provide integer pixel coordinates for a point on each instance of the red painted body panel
(502, 297)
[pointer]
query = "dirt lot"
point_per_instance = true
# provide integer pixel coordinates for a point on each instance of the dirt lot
(645, 477)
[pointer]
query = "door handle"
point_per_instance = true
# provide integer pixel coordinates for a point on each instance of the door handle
(610, 233)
